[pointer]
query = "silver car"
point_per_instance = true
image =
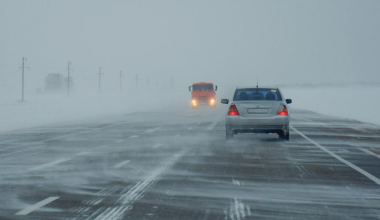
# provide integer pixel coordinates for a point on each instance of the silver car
(258, 110)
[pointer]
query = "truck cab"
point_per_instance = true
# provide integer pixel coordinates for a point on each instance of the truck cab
(203, 93)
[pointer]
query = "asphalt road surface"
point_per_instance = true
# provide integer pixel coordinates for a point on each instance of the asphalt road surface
(178, 165)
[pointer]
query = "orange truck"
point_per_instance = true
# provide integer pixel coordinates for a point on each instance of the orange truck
(203, 93)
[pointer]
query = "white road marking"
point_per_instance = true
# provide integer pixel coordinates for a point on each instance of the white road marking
(134, 136)
(98, 201)
(157, 145)
(360, 170)
(126, 200)
(211, 126)
(36, 206)
(122, 164)
(43, 166)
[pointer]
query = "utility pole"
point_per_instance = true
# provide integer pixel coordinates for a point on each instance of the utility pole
(68, 78)
(23, 68)
(121, 75)
(100, 73)
(136, 81)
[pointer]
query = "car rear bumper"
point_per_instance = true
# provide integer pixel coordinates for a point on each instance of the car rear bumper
(275, 124)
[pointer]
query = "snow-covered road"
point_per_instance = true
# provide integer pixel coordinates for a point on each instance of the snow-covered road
(177, 165)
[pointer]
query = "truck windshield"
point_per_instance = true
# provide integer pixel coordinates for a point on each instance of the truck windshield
(202, 87)
(254, 94)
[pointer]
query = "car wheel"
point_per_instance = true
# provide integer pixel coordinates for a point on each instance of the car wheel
(281, 135)
(229, 134)
(284, 136)
(287, 137)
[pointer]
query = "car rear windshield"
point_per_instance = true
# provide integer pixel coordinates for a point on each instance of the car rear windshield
(259, 94)
(202, 87)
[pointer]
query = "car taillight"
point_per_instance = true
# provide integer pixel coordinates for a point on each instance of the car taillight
(282, 110)
(233, 110)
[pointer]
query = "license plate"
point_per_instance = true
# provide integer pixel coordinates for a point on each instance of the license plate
(257, 111)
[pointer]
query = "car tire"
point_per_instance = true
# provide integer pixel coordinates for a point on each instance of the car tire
(229, 134)
(281, 135)
(287, 137)
(284, 136)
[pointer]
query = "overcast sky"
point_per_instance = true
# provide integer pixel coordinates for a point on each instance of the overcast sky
(219, 41)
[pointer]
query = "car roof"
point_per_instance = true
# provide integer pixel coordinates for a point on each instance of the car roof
(203, 83)
(256, 87)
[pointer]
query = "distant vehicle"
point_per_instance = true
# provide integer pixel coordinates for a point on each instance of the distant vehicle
(203, 93)
(258, 110)
(56, 82)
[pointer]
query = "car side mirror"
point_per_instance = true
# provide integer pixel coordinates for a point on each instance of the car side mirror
(189, 88)
(224, 101)
(216, 88)
(288, 101)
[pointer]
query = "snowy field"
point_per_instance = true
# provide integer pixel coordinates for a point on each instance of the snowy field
(58, 108)
(358, 103)
(40, 109)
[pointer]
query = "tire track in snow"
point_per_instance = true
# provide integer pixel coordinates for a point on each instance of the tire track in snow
(126, 201)
(86, 208)
(238, 210)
